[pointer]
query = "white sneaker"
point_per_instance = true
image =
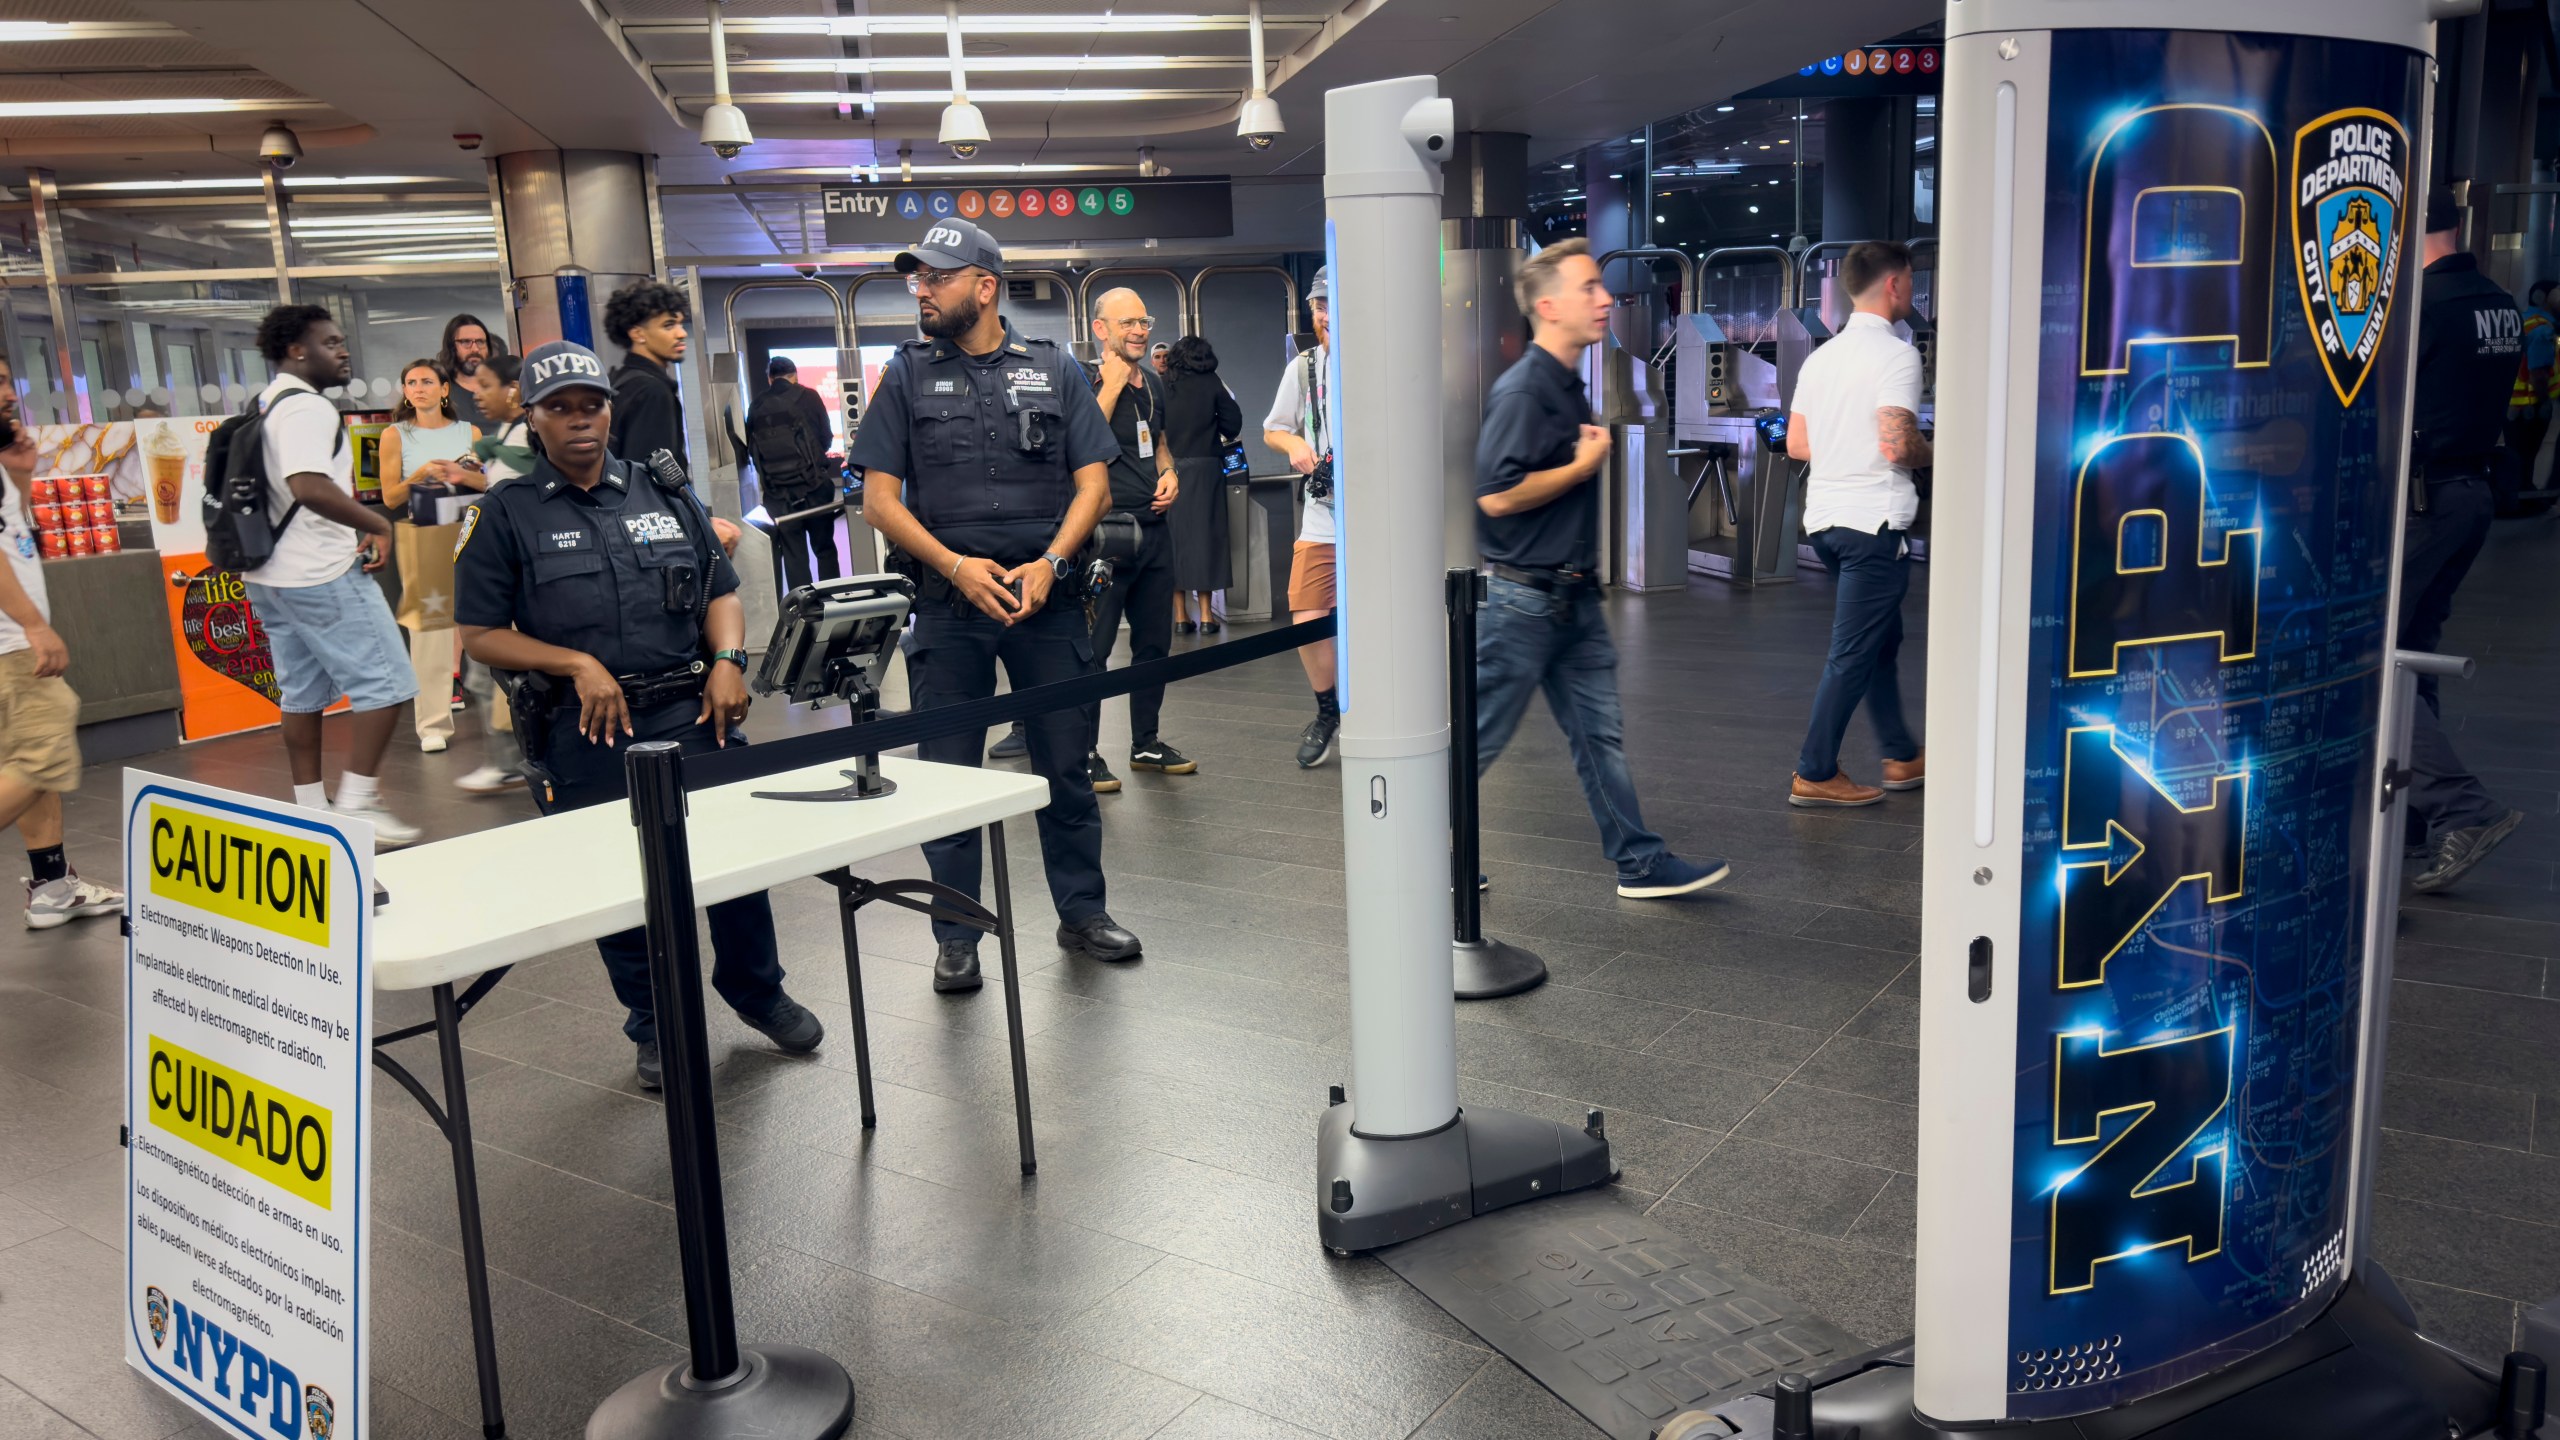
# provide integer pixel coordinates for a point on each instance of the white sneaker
(390, 832)
(59, 902)
(431, 744)
(490, 780)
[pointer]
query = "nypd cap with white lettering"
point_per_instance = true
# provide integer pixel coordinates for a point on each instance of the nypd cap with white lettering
(952, 245)
(561, 365)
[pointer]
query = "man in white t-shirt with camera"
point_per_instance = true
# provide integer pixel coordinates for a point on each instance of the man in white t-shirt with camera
(1855, 419)
(327, 625)
(1300, 428)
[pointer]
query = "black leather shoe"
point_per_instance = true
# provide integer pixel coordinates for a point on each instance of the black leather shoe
(791, 1026)
(652, 1075)
(1100, 937)
(955, 967)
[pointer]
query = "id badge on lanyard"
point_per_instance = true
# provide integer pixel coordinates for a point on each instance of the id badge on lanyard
(1146, 441)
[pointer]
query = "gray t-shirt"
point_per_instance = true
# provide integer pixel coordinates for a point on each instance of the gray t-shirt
(1304, 414)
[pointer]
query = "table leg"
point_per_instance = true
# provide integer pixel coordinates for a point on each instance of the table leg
(466, 1194)
(846, 906)
(1012, 996)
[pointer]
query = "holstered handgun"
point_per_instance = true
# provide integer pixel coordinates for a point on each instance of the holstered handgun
(532, 698)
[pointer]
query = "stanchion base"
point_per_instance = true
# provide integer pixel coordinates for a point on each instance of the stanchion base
(786, 1393)
(2360, 1370)
(1489, 969)
(1395, 1189)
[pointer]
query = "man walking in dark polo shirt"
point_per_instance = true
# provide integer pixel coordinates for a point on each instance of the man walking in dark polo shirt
(1539, 530)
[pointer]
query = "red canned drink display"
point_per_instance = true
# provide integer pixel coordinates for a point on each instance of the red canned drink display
(102, 512)
(45, 489)
(54, 544)
(96, 487)
(48, 516)
(79, 540)
(106, 539)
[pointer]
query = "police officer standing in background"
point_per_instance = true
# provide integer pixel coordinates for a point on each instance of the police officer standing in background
(585, 571)
(984, 460)
(2470, 341)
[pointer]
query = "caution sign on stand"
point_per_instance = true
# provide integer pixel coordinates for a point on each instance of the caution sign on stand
(247, 1082)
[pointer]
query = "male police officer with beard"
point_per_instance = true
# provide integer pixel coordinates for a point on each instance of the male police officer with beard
(983, 458)
(589, 574)
(2470, 341)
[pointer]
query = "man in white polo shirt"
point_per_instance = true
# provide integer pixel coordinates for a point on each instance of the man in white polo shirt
(1856, 420)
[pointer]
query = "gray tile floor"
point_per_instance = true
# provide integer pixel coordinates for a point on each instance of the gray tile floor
(1754, 1050)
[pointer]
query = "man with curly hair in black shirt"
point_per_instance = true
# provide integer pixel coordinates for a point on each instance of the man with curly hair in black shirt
(647, 319)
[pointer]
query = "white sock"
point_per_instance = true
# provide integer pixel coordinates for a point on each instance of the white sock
(356, 791)
(313, 795)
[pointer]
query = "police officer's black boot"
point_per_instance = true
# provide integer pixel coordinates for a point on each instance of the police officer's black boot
(1100, 937)
(955, 967)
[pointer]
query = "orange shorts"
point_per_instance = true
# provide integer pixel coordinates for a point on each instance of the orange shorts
(1311, 576)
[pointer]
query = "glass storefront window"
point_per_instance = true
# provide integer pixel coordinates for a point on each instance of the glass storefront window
(393, 319)
(102, 238)
(389, 234)
(176, 347)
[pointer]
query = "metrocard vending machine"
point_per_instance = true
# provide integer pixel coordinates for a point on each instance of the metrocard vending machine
(2179, 279)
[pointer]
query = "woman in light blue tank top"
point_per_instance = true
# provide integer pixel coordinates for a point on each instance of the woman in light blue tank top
(426, 444)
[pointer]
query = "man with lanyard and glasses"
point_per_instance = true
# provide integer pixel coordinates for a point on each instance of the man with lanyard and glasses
(984, 459)
(1133, 395)
(1538, 527)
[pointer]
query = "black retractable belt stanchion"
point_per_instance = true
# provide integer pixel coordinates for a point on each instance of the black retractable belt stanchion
(1484, 969)
(781, 1392)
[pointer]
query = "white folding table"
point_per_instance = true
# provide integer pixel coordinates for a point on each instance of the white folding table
(462, 910)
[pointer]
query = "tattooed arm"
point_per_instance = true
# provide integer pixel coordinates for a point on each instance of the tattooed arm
(1898, 438)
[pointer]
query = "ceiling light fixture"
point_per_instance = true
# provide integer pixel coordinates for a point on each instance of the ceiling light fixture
(1258, 123)
(724, 125)
(1038, 96)
(251, 182)
(963, 128)
(1724, 109)
(167, 105)
(856, 26)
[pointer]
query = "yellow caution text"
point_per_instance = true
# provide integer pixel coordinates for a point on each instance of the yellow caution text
(266, 878)
(271, 1133)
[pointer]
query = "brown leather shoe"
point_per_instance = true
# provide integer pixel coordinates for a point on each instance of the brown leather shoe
(1907, 774)
(1838, 791)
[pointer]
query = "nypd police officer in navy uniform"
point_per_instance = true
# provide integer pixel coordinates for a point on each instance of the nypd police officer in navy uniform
(983, 458)
(2470, 341)
(590, 573)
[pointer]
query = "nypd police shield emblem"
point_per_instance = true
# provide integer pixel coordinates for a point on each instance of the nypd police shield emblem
(2350, 192)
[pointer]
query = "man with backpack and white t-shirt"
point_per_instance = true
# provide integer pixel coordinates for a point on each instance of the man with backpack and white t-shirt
(327, 624)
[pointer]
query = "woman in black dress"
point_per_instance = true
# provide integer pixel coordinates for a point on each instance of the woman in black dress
(1201, 420)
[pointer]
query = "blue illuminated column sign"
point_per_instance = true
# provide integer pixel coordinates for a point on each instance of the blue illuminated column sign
(1332, 414)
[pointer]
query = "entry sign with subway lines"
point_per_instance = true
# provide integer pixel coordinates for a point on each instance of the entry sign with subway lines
(2230, 265)
(248, 1032)
(1026, 209)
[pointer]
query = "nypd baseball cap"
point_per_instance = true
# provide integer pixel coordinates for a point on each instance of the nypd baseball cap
(952, 245)
(561, 365)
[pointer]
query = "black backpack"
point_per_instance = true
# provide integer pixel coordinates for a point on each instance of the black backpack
(780, 448)
(237, 534)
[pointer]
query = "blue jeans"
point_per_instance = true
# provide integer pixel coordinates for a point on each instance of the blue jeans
(1527, 640)
(1866, 644)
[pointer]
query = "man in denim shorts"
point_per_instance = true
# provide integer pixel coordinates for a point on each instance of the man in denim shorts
(326, 622)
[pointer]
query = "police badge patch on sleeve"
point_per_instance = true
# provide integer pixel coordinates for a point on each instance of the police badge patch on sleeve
(2350, 182)
(470, 522)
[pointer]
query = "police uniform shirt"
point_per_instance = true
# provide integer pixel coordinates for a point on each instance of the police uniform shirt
(585, 569)
(948, 425)
(1533, 419)
(2470, 340)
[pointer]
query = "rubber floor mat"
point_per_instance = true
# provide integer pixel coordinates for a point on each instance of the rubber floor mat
(1623, 1318)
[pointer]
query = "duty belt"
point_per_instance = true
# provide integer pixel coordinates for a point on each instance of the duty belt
(683, 683)
(1558, 581)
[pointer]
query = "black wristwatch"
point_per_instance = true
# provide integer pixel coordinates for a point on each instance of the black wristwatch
(1059, 565)
(734, 657)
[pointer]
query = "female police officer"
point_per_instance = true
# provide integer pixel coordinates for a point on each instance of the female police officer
(589, 572)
